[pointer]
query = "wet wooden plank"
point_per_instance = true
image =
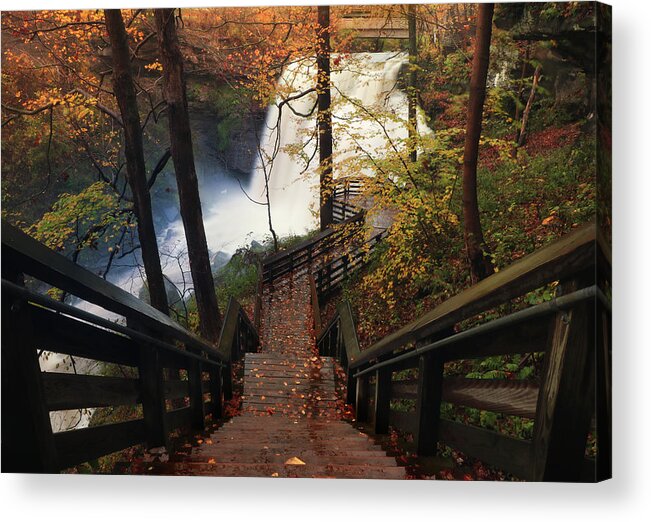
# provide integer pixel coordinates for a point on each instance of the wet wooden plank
(179, 418)
(35, 259)
(506, 453)
(63, 334)
(67, 391)
(77, 446)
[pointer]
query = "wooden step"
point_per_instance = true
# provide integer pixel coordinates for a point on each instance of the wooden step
(224, 456)
(276, 470)
(310, 460)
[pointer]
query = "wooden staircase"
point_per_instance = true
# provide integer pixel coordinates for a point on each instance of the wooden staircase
(290, 426)
(291, 422)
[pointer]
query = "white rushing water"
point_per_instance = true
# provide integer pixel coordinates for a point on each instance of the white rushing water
(368, 114)
(363, 84)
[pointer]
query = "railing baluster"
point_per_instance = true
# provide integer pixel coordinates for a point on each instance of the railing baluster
(566, 397)
(340, 344)
(362, 398)
(227, 382)
(428, 403)
(152, 388)
(604, 395)
(27, 440)
(198, 421)
(216, 398)
(382, 400)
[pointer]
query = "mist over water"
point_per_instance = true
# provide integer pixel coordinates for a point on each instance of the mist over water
(231, 219)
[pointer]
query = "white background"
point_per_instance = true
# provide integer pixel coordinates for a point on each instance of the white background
(626, 497)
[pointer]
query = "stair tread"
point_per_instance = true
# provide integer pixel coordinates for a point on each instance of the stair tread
(267, 470)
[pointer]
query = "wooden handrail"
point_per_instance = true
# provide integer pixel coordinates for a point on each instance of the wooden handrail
(561, 259)
(71, 311)
(572, 323)
(151, 344)
(331, 274)
(286, 261)
(339, 339)
(44, 264)
(304, 245)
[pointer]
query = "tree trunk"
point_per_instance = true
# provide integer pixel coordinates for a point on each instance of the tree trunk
(480, 263)
(523, 71)
(527, 108)
(324, 116)
(125, 94)
(411, 88)
(186, 177)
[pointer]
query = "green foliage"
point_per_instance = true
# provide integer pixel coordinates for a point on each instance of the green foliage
(84, 217)
(518, 427)
(224, 102)
(456, 71)
(238, 278)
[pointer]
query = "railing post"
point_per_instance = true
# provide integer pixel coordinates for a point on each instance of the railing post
(319, 282)
(216, 398)
(604, 395)
(382, 400)
(361, 399)
(236, 346)
(314, 299)
(27, 440)
(196, 395)
(227, 382)
(340, 352)
(152, 388)
(566, 397)
(258, 299)
(351, 385)
(428, 403)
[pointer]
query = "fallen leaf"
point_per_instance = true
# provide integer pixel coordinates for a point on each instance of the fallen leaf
(211, 461)
(294, 461)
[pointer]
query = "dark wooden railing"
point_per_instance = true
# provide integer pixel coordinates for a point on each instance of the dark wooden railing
(257, 307)
(339, 339)
(345, 214)
(331, 273)
(572, 330)
(305, 252)
(342, 208)
(334, 249)
(238, 336)
(173, 379)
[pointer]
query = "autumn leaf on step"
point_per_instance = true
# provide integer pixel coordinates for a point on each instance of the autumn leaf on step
(294, 461)
(550, 220)
(212, 461)
(275, 474)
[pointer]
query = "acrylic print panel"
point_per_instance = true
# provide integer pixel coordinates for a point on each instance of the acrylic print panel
(354, 241)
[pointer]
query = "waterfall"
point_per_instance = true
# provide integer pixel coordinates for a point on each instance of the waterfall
(365, 80)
